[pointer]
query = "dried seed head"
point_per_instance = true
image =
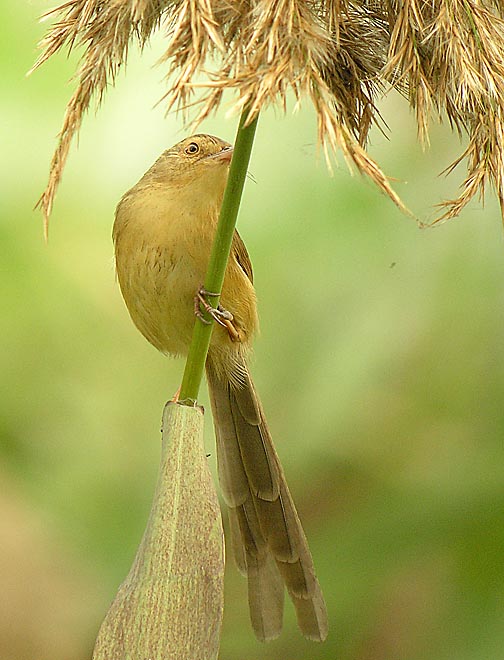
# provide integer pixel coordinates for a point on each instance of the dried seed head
(446, 56)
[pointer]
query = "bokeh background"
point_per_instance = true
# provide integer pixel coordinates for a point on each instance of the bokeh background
(380, 365)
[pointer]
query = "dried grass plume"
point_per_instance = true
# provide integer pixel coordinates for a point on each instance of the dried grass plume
(445, 56)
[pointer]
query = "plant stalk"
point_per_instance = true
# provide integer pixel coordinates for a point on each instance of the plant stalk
(171, 603)
(221, 248)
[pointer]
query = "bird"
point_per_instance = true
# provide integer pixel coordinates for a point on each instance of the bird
(163, 232)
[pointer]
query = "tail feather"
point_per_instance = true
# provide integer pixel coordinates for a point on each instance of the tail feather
(282, 528)
(266, 598)
(268, 541)
(248, 405)
(312, 615)
(299, 578)
(232, 476)
(265, 586)
(251, 535)
(257, 455)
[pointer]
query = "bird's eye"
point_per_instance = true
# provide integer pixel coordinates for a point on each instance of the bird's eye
(192, 149)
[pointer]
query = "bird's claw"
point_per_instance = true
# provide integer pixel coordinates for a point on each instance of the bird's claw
(219, 314)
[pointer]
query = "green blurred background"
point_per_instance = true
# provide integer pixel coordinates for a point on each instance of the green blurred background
(380, 365)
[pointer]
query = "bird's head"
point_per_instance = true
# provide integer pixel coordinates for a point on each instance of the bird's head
(200, 161)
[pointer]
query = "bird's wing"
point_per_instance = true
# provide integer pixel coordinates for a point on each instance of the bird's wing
(241, 255)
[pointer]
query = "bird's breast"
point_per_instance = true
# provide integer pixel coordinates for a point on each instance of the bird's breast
(162, 253)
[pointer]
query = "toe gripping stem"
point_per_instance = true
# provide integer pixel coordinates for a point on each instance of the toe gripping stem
(218, 314)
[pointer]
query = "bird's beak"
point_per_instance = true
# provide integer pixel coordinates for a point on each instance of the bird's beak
(225, 155)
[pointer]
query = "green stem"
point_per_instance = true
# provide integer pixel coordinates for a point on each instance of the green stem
(221, 248)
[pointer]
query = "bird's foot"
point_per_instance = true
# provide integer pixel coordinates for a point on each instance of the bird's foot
(220, 315)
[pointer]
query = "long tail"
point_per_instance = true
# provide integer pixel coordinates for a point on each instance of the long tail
(268, 542)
